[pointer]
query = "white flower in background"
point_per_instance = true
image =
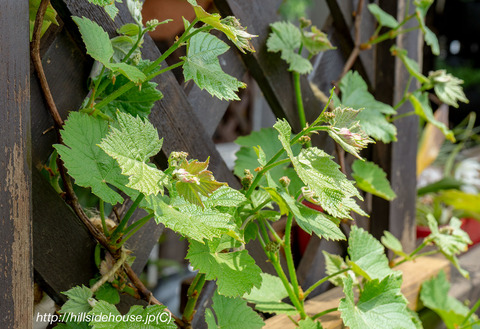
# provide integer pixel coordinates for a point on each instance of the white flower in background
(468, 171)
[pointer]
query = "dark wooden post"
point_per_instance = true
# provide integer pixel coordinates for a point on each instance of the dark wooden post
(399, 158)
(16, 279)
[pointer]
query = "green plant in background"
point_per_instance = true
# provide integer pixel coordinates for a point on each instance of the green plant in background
(107, 146)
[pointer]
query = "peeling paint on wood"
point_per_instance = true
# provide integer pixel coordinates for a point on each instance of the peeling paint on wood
(16, 270)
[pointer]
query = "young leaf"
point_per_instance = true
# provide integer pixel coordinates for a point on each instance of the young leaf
(231, 313)
(286, 38)
(422, 108)
(434, 295)
(78, 300)
(391, 242)
(334, 264)
(315, 41)
(96, 40)
(268, 298)
(224, 197)
(383, 18)
(309, 219)
(447, 87)
(372, 179)
(137, 101)
(346, 130)
(422, 6)
(191, 220)
(87, 163)
(331, 189)
(381, 305)
(106, 316)
(367, 255)
(108, 293)
(411, 65)
(308, 323)
(372, 114)
(450, 239)
(202, 65)
(235, 271)
(132, 145)
(194, 181)
(230, 26)
(429, 36)
(73, 325)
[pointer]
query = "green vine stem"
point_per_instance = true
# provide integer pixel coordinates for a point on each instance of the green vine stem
(102, 217)
(469, 325)
(193, 293)
(472, 310)
(289, 256)
(319, 282)
(120, 228)
(132, 229)
(330, 310)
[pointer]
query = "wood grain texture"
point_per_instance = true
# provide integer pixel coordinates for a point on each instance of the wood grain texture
(16, 274)
(398, 159)
(414, 274)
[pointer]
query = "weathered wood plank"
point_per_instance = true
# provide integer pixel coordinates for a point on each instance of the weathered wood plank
(414, 274)
(397, 159)
(16, 275)
(268, 69)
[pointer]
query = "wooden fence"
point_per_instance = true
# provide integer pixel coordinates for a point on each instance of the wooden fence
(62, 247)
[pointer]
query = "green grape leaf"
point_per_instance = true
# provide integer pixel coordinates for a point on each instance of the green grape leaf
(429, 36)
(73, 325)
(434, 295)
(49, 17)
(129, 29)
(202, 65)
(383, 18)
(136, 101)
(78, 300)
(266, 139)
(315, 41)
(412, 66)
(132, 145)
(367, 255)
(308, 323)
(87, 163)
(372, 179)
(111, 10)
(334, 264)
(422, 6)
(96, 40)
(268, 297)
(106, 316)
(286, 38)
(194, 180)
(108, 293)
(372, 114)
(292, 10)
(230, 26)
(391, 242)
(460, 200)
(224, 197)
(308, 219)
(422, 108)
(235, 271)
(122, 46)
(329, 186)
(346, 131)
(231, 313)
(450, 239)
(130, 71)
(101, 3)
(381, 305)
(191, 220)
(447, 87)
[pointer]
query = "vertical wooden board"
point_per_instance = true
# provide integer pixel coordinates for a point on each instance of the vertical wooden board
(399, 158)
(268, 69)
(16, 274)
